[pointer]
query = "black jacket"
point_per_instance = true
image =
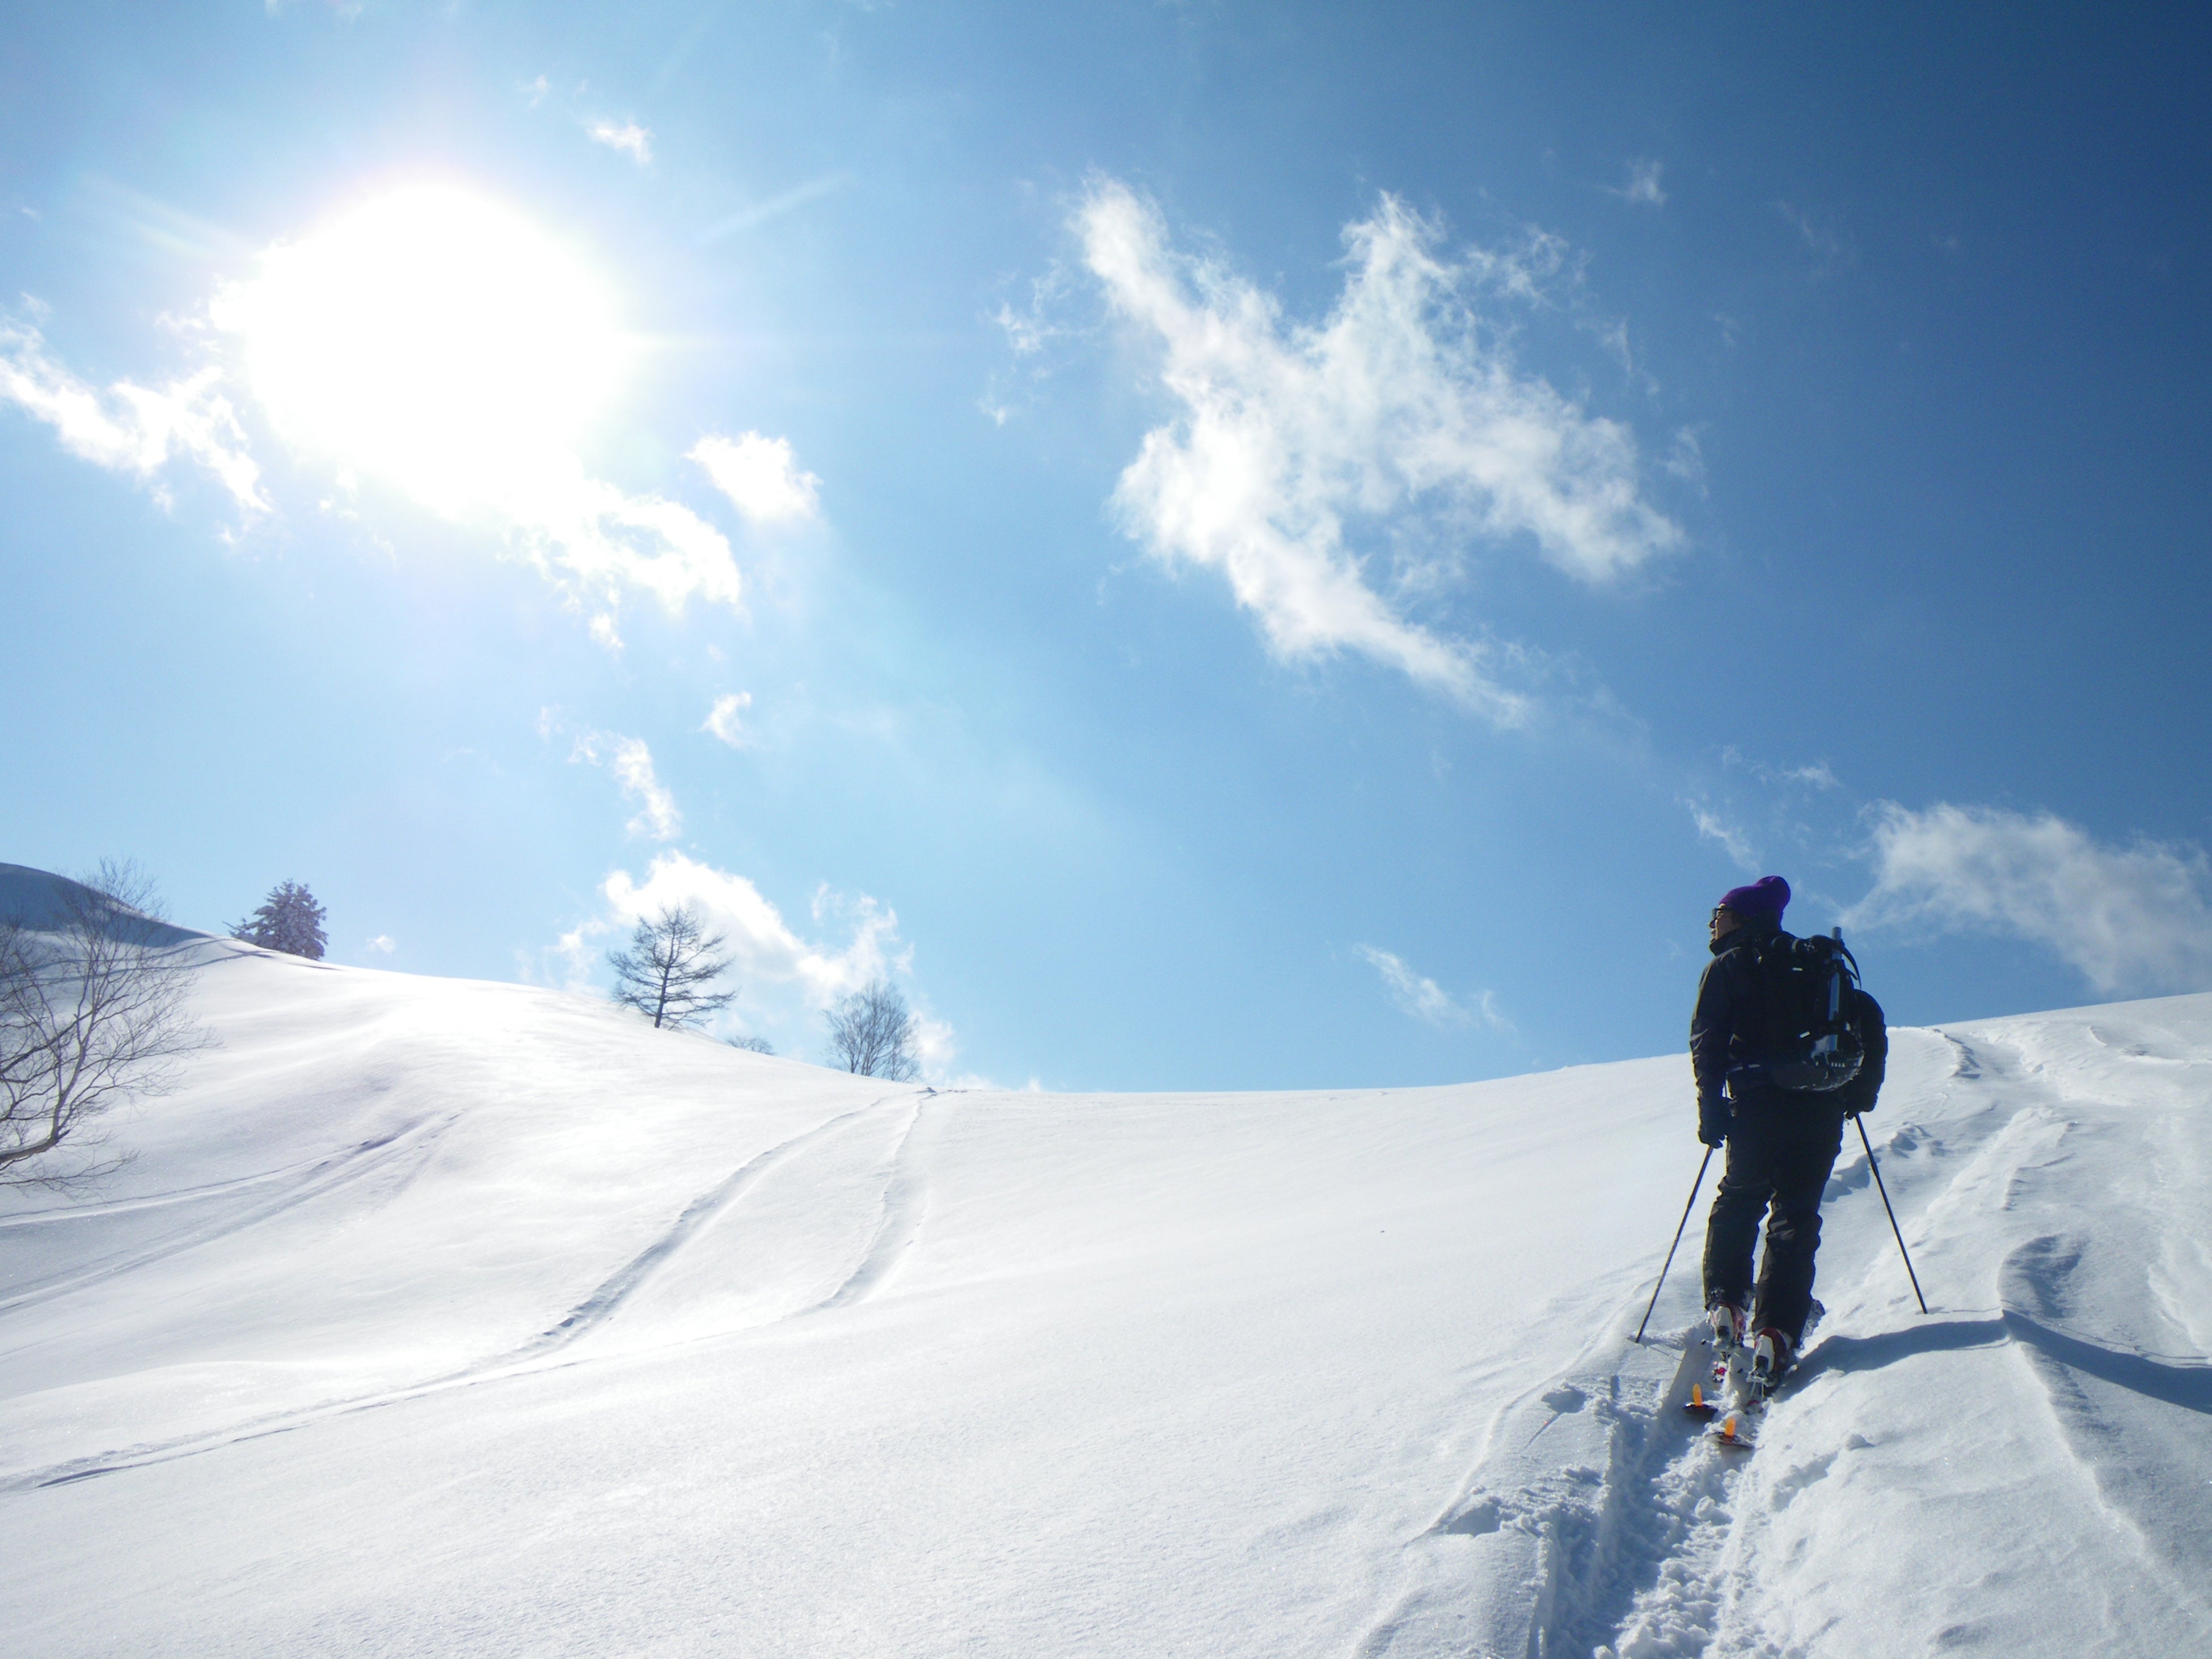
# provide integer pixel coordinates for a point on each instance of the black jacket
(1725, 1030)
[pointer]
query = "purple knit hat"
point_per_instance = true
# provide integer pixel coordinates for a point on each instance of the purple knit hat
(1768, 896)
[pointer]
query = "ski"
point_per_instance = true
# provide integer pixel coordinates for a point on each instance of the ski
(1735, 1381)
(1728, 1432)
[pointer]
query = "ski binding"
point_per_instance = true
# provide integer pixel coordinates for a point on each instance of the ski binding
(1730, 1433)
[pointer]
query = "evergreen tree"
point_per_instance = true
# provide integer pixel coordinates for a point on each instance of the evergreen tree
(288, 920)
(666, 972)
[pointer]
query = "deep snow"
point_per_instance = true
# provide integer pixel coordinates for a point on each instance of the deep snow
(440, 1318)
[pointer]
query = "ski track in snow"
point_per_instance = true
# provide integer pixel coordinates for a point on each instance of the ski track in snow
(400, 1151)
(902, 1206)
(1690, 1589)
(1654, 1549)
(608, 1299)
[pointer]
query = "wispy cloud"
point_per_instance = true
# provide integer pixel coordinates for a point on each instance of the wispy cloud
(2133, 917)
(1731, 839)
(761, 477)
(382, 945)
(1816, 776)
(594, 539)
(631, 761)
(1302, 455)
(1685, 459)
(1643, 186)
(631, 139)
(760, 213)
(726, 719)
(1425, 999)
(129, 428)
(1824, 236)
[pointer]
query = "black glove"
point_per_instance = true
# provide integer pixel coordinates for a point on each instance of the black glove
(1712, 1120)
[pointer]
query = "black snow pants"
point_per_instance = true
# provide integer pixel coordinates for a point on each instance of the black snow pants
(1780, 1149)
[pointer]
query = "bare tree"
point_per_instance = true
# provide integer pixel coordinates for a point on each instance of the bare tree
(92, 1013)
(752, 1045)
(130, 883)
(670, 961)
(871, 1033)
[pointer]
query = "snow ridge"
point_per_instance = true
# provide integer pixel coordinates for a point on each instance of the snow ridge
(614, 1340)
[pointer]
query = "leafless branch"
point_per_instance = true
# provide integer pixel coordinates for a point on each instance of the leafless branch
(92, 1014)
(670, 961)
(872, 1033)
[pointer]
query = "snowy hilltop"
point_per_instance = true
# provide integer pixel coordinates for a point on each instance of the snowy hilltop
(439, 1318)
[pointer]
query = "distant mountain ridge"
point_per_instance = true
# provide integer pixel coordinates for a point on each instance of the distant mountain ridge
(40, 899)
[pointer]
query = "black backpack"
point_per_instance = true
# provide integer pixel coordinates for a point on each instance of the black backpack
(1809, 987)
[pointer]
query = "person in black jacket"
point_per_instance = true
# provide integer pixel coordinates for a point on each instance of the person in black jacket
(1781, 1143)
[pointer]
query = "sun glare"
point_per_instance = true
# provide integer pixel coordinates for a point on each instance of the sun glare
(434, 338)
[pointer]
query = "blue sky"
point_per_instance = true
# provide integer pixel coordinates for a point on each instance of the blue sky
(1222, 546)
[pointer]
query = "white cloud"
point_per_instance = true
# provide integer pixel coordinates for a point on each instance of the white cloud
(1685, 459)
(383, 945)
(605, 537)
(1732, 841)
(935, 1047)
(2129, 918)
(1398, 422)
(760, 476)
(631, 139)
(1424, 999)
(631, 762)
(1643, 186)
(130, 428)
(726, 719)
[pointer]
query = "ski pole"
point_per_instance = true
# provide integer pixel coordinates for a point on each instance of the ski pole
(1677, 1244)
(1893, 1227)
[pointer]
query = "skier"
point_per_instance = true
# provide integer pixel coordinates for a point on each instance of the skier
(1782, 1143)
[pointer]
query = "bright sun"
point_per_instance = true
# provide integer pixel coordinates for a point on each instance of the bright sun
(432, 338)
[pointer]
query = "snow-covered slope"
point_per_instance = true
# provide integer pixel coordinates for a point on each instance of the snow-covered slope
(445, 1318)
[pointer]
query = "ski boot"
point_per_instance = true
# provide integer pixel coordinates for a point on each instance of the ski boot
(1770, 1363)
(1726, 1327)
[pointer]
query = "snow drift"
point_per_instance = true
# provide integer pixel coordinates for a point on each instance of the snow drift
(438, 1317)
